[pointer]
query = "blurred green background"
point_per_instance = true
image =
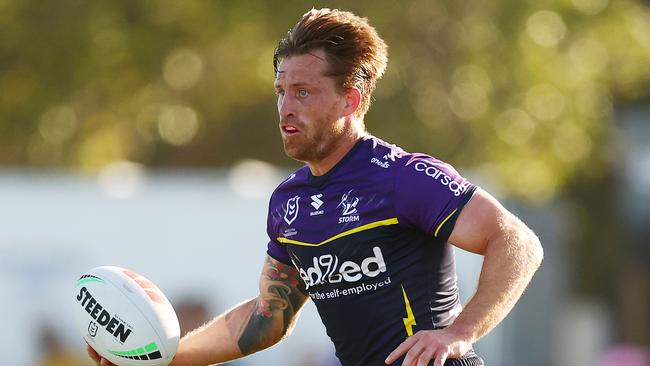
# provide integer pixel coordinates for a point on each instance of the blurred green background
(526, 96)
(523, 89)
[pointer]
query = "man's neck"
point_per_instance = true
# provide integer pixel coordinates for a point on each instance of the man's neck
(346, 144)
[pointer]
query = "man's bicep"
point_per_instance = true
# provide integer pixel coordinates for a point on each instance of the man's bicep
(282, 295)
(276, 273)
(481, 218)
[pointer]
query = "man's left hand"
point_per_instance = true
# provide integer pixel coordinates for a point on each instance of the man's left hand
(427, 345)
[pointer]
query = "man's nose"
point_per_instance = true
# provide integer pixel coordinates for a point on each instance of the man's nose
(286, 106)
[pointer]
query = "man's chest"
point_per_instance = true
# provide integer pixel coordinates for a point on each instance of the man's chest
(313, 217)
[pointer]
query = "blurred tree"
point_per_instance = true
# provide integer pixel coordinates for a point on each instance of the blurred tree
(520, 89)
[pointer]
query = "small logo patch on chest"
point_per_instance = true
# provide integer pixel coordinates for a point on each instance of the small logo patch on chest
(348, 205)
(291, 211)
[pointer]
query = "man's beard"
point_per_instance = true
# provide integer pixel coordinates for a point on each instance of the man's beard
(316, 147)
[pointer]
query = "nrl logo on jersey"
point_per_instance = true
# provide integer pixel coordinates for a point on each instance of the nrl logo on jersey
(349, 204)
(291, 211)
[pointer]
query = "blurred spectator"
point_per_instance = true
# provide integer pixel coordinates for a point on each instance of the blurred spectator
(55, 353)
(626, 355)
(192, 313)
(311, 358)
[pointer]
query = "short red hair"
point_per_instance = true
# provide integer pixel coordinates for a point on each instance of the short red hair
(355, 53)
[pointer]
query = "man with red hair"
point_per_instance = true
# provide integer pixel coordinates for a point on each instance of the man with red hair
(366, 229)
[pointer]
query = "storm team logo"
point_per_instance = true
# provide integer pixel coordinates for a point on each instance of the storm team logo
(349, 203)
(349, 207)
(291, 212)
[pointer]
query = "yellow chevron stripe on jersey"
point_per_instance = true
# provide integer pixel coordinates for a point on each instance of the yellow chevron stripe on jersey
(372, 225)
(443, 222)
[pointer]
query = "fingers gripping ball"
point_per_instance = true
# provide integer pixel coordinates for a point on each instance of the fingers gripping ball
(125, 317)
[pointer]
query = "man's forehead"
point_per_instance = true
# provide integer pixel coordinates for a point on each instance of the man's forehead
(311, 64)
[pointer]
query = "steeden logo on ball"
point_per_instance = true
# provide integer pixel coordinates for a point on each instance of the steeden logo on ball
(125, 317)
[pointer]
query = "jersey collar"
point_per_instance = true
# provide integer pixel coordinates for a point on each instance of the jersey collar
(318, 181)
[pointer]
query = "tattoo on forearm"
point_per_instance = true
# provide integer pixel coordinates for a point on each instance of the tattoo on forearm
(282, 294)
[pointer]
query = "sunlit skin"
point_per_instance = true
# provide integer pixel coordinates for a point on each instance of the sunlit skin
(317, 120)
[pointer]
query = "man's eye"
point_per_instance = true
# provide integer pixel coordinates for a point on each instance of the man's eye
(302, 93)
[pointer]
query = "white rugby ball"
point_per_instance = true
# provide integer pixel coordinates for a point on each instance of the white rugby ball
(125, 317)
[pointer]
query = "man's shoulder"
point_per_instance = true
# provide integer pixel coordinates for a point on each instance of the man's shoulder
(295, 179)
(392, 152)
(386, 154)
(412, 169)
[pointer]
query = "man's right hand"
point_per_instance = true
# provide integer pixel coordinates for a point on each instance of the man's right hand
(99, 360)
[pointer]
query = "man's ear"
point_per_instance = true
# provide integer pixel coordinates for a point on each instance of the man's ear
(352, 100)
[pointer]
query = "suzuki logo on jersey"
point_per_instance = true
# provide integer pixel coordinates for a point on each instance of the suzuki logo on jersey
(316, 202)
(326, 268)
(291, 212)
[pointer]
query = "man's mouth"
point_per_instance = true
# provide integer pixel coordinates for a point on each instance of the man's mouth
(289, 130)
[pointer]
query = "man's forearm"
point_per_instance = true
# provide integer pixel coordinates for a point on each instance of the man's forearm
(510, 260)
(251, 326)
(243, 330)
(214, 342)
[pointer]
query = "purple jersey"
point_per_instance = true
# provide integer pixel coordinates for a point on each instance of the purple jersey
(369, 239)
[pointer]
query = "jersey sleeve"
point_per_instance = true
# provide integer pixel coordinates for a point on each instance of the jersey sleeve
(278, 252)
(429, 195)
(275, 249)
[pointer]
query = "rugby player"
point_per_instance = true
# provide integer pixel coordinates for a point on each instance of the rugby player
(366, 229)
